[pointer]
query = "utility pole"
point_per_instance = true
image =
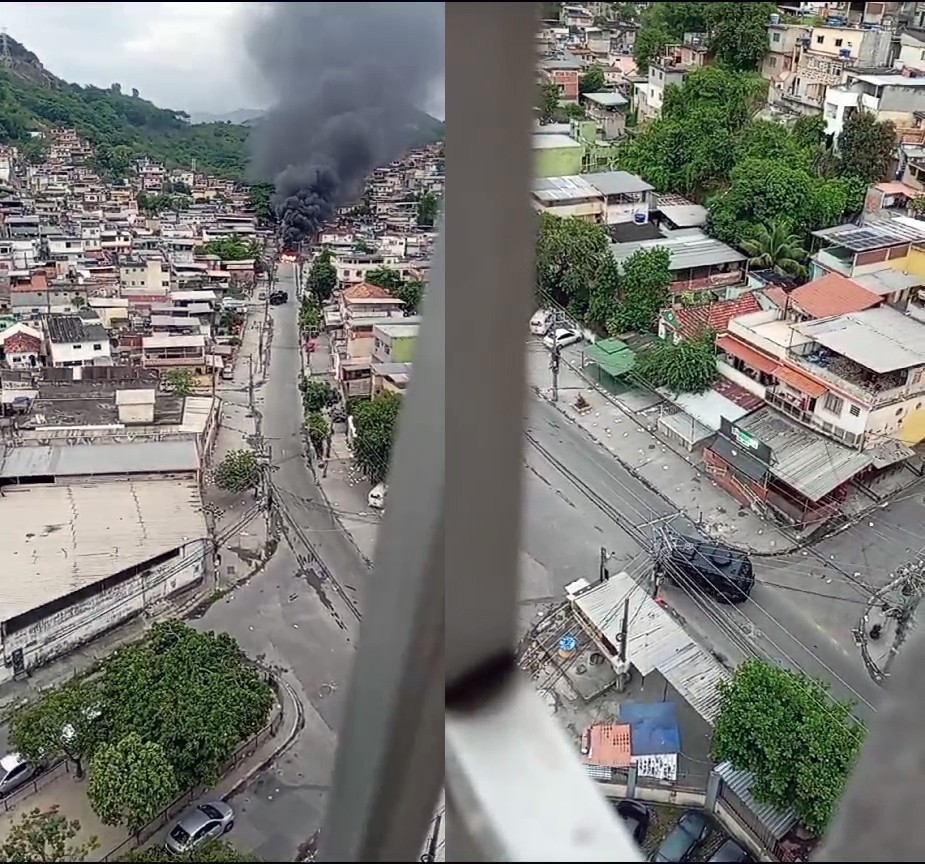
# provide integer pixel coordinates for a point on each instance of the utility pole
(431, 853)
(250, 380)
(624, 629)
(603, 572)
(554, 366)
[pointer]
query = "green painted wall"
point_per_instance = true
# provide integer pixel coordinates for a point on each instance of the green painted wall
(402, 349)
(558, 161)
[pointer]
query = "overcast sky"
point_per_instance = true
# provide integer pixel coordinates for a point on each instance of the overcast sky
(185, 56)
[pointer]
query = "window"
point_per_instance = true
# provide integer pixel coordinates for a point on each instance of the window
(77, 347)
(838, 43)
(775, 37)
(97, 347)
(833, 404)
(855, 411)
(820, 40)
(772, 61)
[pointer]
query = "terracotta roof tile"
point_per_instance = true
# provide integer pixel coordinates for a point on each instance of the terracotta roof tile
(608, 745)
(713, 316)
(833, 294)
(366, 291)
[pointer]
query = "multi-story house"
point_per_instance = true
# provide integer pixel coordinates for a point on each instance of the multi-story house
(670, 68)
(149, 274)
(393, 342)
(608, 110)
(565, 74)
(72, 341)
(894, 95)
(172, 351)
(33, 294)
(785, 41)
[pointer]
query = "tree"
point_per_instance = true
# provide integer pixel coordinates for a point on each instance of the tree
(547, 101)
(739, 33)
(65, 720)
(180, 381)
(865, 147)
(649, 45)
(311, 318)
(238, 471)
(319, 430)
(411, 293)
(317, 394)
(45, 835)
(686, 367)
(783, 727)
(592, 81)
(428, 205)
(569, 253)
(131, 781)
(230, 249)
(260, 198)
(376, 421)
(386, 278)
(218, 851)
(644, 281)
(194, 694)
(604, 293)
(322, 277)
(776, 248)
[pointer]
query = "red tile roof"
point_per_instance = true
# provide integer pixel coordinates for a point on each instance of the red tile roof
(22, 343)
(747, 354)
(608, 745)
(799, 381)
(833, 294)
(366, 291)
(713, 316)
(739, 395)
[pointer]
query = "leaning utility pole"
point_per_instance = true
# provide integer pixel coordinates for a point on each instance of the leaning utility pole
(624, 629)
(603, 572)
(250, 381)
(554, 366)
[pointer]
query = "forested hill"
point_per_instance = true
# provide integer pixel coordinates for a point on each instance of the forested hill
(121, 125)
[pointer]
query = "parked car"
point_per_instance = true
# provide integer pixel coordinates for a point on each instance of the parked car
(205, 822)
(541, 322)
(731, 852)
(277, 298)
(227, 373)
(635, 815)
(14, 771)
(562, 336)
(692, 829)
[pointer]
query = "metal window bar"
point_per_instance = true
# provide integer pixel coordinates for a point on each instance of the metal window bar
(515, 788)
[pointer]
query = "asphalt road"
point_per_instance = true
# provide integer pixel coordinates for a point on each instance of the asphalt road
(578, 497)
(291, 615)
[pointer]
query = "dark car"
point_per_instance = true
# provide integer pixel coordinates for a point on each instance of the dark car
(713, 568)
(731, 853)
(277, 298)
(692, 829)
(635, 815)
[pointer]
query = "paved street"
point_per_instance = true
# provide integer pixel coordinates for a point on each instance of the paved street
(289, 616)
(569, 516)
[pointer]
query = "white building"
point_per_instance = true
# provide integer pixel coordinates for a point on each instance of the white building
(150, 275)
(74, 342)
(81, 556)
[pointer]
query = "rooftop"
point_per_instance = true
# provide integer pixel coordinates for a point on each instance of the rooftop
(366, 291)
(553, 142)
(880, 339)
(572, 188)
(94, 460)
(71, 329)
(877, 234)
(833, 294)
(804, 460)
(684, 215)
(691, 320)
(687, 248)
(59, 539)
(607, 100)
(617, 183)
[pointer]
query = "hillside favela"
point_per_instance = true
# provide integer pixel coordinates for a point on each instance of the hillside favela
(207, 328)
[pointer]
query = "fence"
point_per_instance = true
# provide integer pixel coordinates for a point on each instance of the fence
(244, 751)
(62, 766)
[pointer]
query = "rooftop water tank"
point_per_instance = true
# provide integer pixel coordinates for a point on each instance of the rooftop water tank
(775, 20)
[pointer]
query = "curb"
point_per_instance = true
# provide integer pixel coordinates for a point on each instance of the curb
(298, 724)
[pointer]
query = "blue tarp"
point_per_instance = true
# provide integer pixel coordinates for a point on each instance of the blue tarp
(653, 727)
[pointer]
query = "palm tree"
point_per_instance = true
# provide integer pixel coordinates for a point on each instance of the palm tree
(775, 247)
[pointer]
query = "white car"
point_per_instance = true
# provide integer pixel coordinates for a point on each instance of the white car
(562, 336)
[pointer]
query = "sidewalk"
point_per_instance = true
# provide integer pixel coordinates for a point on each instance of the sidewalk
(71, 795)
(624, 425)
(344, 487)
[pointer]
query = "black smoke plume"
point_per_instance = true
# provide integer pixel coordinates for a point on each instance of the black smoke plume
(346, 81)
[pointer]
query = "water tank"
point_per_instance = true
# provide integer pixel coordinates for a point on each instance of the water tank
(775, 19)
(640, 217)
(567, 647)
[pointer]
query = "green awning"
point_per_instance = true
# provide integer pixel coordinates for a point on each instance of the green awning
(613, 356)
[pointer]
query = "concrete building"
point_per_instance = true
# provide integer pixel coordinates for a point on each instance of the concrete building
(148, 274)
(608, 197)
(92, 536)
(394, 343)
(75, 342)
(557, 155)
(608, 110)
(670, 68)
(894, 95)
(20, 347)
(785, 42)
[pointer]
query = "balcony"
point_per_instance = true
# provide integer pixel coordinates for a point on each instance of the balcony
(828, 260)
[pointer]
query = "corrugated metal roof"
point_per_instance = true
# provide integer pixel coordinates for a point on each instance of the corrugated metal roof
(58, 539)
(86, 460)
(833, 294)
(618, 182)
(572, 188)
(656, 642)
(777, 822)
(607, 100)
(688, 247)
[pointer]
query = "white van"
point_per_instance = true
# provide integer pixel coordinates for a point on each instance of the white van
(541, 322)
(376, 498)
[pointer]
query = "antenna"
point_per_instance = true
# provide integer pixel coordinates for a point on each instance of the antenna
(6, 59)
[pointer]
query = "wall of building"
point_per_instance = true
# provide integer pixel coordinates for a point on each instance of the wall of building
(558, 161)
(77, 624)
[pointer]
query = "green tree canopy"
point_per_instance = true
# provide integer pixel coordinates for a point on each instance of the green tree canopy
(260, 197)
(411, 293)
(238, 471)
(180, 381)
(131, 781)
(376, 422)
(385, 277)
(775, 247)
(212, 852)
(547, 101)
(786, 730)
(569, 253)
(66, 720)
(593, 80)
(230, 249)
(193, 694)
(311, 318)
(317, 394)
(644, 286)
(739, 33)
(428, 205)
(865, 147)
(322, 277)
(688, 366)
(45, 835)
